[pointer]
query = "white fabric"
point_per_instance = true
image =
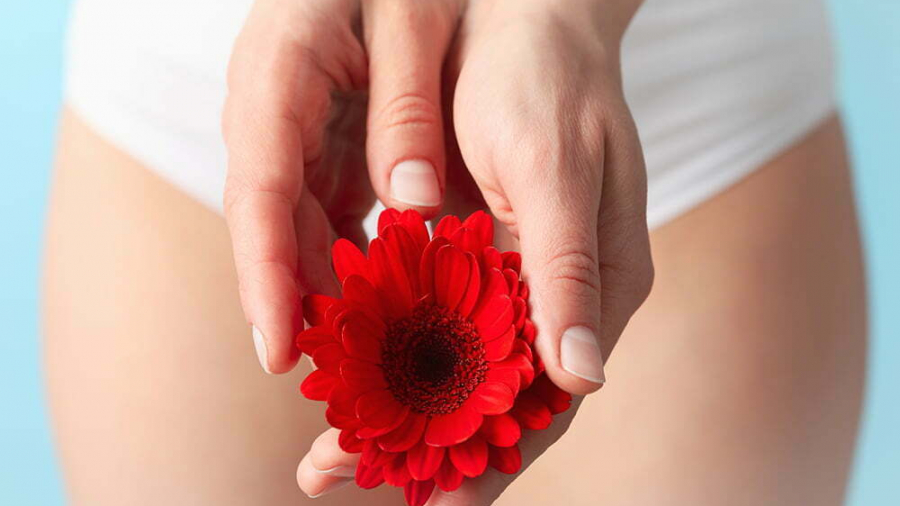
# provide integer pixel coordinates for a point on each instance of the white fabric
(717, 87)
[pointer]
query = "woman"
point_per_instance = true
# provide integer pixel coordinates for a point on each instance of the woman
(737, 382)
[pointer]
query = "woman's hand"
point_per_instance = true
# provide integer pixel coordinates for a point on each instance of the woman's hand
(541, 134)
(296, 124)
(544, 131)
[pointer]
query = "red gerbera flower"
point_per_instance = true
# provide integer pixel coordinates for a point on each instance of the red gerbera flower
(427, 362)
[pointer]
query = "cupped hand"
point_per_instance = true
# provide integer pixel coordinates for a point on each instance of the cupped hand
(539, 133)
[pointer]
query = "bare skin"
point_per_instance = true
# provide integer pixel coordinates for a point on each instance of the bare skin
(738, 382)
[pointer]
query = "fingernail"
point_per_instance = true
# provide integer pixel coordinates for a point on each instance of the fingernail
(259, 341)
(339, 471)
(579, 354)
(331, 487)
(415, 182)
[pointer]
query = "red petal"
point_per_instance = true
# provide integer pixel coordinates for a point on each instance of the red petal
(348, 441)
(519, 363)
(473, 287)
(512, 280)
(467, 240)
(403, 247)
(383, 458)
(508, 376)
(339, 420)
(372, 456)
(318, 385)
(362, 376)
(506, 460)
(520, 310)
(361, 318)
(482, 225)
(405, 436)
(454, 428)
(491, 398)
(387, 217)
(369, 453)
(528, 332)
(312, 338)
(523, 290)
(329, 357)
(374, 432)
(368, 477)
(426, 266)
(492, 286)
(512, 260)
(531, 412)
(348, 260)
(451, 274)
(360, 291)
(415, 225)
(498, 349)
(343, 400)
(334, 312)
(447, 226)
(390, 277)
(361, 341)
(494, 318)
(520, 346)
(418, 492)
(378, 409)
(501, 430)
(491, 258)
(368, 433)
(556, 399)
(396, 473)
(314, 307)
(423, 460)
(448, 477)
(470, 457)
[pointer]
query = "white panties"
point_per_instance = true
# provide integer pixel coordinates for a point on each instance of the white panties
(717, 87)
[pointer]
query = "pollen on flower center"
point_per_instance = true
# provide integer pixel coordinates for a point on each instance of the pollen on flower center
(433, 360)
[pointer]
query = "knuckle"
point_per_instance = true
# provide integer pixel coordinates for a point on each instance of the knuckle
(409, 110)
(574, 270)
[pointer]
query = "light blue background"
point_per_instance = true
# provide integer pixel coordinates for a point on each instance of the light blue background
(31, 34)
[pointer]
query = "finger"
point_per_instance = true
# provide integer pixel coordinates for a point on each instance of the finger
(327, 456)
(263, 189)
(278, 97)
(560, 261)
(326, 467)
(314, 483)
(407, 41)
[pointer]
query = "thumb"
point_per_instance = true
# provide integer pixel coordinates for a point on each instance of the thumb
(407, 41)
(560, 260)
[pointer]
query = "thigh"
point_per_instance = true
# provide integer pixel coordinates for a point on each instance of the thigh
(155, 390)
(740, 380)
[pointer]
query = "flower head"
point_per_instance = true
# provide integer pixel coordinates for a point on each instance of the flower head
(427, 361)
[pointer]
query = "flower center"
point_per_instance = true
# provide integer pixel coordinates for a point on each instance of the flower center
(433, 360)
